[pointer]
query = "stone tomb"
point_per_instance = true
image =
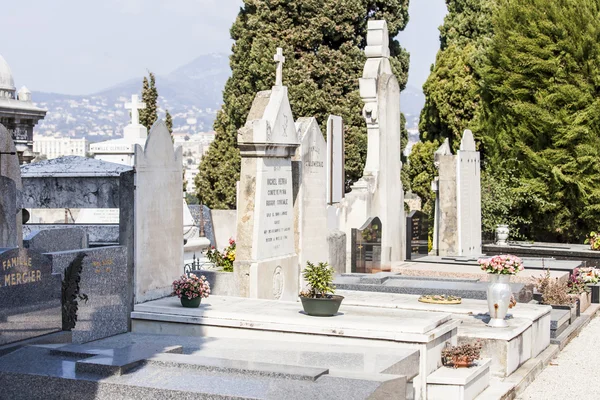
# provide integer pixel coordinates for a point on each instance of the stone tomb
(366, 247)
(10, 192)
(105, 283)
(30, 295)
(417, 235)
(336, 178)
(310, 208)
(266, 263)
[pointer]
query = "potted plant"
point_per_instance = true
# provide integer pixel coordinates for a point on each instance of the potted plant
(319, 300)
(499, 293)
(593, 240)
(556, 293)
(223, 259)
(191, 289)
(462, 356)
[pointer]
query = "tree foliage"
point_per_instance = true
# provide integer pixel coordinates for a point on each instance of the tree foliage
(149, 115)
(323, 42)
(169, 121)
(542, 112)
(452, 98)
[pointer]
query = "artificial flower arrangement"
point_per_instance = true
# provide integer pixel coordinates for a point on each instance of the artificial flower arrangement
(461, 356)
(191, 287)
(223, 259)
(505, 264)
(589, 275)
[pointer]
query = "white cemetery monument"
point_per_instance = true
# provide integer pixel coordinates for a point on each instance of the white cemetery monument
(379, 192)
(335, 160)
(158, 215)
(121, 151)
(266, 263)
(457, 229)
(310, 207)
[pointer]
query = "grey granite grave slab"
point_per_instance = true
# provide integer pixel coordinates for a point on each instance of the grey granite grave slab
(52, 240)
(36, 372)
(529, 262)
(8, 211)
(105, 282)
(466, 288)
(560, 320)
(97, 234)
(29, 294)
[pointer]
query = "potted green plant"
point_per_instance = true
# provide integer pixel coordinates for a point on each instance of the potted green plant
(462, 356)
(223, 259)
(319, 300)
(191, 289)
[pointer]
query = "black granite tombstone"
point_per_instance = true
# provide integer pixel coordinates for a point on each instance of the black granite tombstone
(417, 235)
(366, 247)
(30, 295)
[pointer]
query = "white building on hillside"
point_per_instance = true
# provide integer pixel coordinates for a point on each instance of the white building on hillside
(53, 147)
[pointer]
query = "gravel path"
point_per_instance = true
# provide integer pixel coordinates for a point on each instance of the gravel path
(574, 374)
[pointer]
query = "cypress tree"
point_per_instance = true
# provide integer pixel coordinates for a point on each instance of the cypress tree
(323, 43)
(169, 121)
(149, 115)
(542, 112)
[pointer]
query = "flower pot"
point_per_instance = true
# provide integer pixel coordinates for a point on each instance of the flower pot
(502, 235)
(585, 299)
(461, 362)
(498, 297)
(191, 303)
(321, 307)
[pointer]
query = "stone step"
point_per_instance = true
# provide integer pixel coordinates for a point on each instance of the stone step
(559, 321)
(459, 383)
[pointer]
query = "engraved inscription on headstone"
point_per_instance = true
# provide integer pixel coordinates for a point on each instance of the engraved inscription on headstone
(417, 235)
(366, 247)
(29, 294)
(276, 224)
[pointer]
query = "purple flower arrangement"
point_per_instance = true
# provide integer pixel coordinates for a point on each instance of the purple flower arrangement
(504, 264)
(191, 287)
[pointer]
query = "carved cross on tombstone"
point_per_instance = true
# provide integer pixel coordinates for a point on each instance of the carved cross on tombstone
(135, 106)
(280, 59)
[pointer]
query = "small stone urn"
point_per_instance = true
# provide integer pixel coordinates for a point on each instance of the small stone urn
(502, 235)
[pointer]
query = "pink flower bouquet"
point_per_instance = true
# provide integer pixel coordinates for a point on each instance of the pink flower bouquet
(505, 264)
(191, 287)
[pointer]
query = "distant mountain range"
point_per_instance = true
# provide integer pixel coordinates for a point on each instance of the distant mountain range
(192, 94)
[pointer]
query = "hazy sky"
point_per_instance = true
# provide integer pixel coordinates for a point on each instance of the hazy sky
(82, 46)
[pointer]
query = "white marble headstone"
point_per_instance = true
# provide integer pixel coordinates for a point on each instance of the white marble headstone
(468, 193)
(158, 215)
(335, 160)
(311, 204)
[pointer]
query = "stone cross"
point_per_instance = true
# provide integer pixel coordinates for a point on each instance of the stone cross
(280, 59)
(134, 106)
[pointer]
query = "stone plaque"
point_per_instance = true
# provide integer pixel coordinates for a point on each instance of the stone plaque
(366, 247)
(417, 234)
(276, 221)
(29, 294)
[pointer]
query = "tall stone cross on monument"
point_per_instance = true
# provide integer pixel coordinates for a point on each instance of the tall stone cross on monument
(135, 106)
(280, 59)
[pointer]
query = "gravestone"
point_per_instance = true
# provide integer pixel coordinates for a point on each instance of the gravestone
(310, 205)
(457, 229)
(203, 219)
(468, 197)
(158, 215)
(266, 263)
(9, 168)
(30, 296)
(380, 187)
(8, 209)
(60, 239)
(417, 235)
(336, 178)
(105, 283)
(366, 247)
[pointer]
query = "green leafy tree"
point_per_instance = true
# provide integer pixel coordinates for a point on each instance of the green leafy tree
(452, 90)
(542, 112)
(149, 115)
(323, 42)
(421, 171)
(169, 121)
